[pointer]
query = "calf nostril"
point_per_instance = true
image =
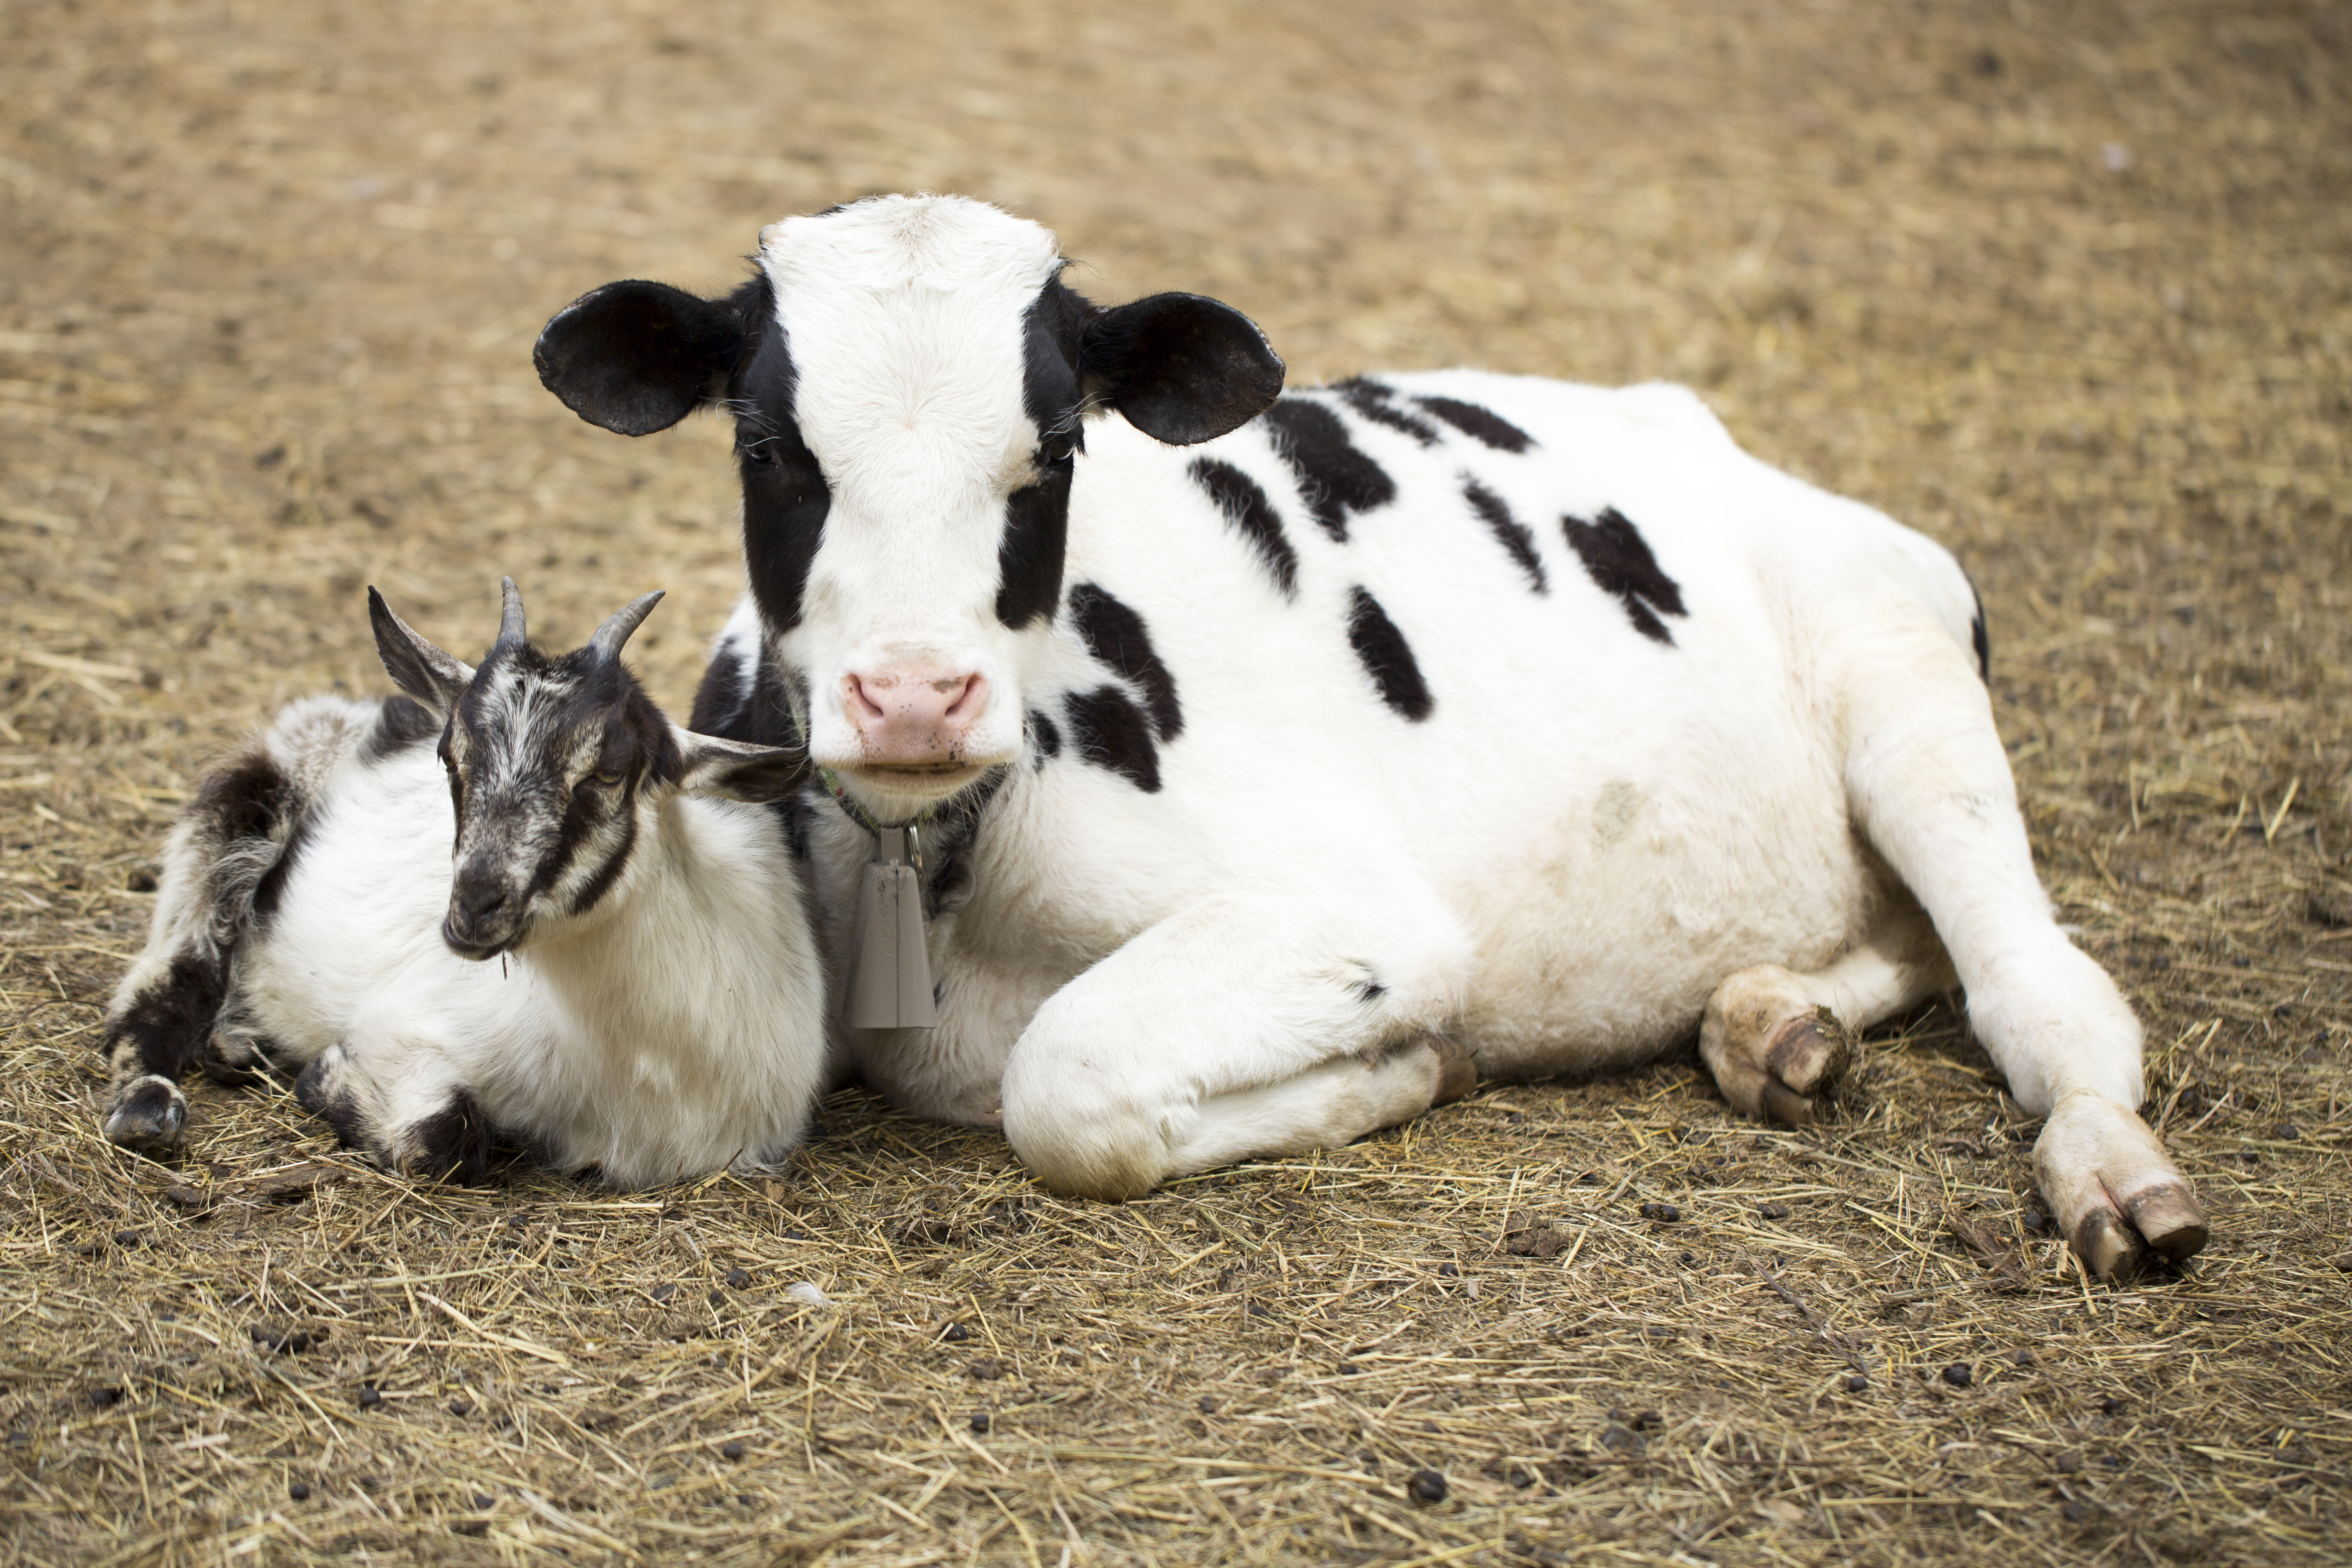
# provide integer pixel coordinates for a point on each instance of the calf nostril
(862, 706)
(963, 697)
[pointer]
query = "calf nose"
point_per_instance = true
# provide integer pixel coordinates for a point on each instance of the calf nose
(913, 717)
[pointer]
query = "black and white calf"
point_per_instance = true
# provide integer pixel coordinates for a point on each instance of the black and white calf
(1282, 752)
(655, 1009)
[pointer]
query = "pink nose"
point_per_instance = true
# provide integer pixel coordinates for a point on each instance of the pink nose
(913, 718)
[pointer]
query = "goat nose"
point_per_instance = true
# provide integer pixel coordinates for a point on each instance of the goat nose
(479, 900)
(913, 717)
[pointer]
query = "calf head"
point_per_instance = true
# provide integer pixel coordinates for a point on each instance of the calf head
(559, 765)
(908, 378)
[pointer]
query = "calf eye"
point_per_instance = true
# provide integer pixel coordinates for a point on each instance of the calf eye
(760, 449)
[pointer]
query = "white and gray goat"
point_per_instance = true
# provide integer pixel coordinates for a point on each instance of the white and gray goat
(658, 1007)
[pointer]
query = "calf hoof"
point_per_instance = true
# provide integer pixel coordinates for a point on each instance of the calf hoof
(149, 1115)
(1774, 1056)
(2117, 1196)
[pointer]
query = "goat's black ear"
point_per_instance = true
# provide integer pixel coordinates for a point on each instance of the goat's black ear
(416, 666)
(737, 770)
(638, 357)
(1184, 369)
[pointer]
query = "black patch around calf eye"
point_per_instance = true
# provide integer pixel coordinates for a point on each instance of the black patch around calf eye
(1979, 638)
(1479, 423)
(1110, 731)
(785, 500)
(1334, 478)
(1115, 636)
(1513, 535)
(1372, 400)
(1030, 552)
(1247, 509)
(1387, 658)
(1619, 560)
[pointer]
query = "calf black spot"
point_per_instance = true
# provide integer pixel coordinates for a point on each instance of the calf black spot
(1619, 560)
(1387, 658)
(1253, 516)
(1115, 636)
(1479, 423)
(1334, 478)
(1029, 554)
(1037, 516)
(1046, 733)
(1110, 731)
(1509, 530)
(785, 500)
(455, 1140)
(1372, 400)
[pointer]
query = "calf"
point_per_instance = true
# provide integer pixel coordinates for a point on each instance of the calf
(1287, 761)
(656, 1007)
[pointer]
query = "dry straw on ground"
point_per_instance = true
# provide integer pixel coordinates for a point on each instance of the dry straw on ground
(2066, 288)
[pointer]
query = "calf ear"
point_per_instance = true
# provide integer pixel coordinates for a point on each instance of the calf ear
(638, 357)
(1182, 368)
(737, 770)
(416, 666)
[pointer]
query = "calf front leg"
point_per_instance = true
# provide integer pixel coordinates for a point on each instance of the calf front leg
(1764, 1036)
(1241, 1026)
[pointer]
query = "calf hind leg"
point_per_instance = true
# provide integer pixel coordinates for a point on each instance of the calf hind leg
(1929, 784)
(1777, 1040)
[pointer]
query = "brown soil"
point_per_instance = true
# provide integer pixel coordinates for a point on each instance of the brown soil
(2066, 288)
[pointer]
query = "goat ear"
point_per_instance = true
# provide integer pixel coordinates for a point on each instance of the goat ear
(737, 770)
(416, 666)
(1182, 368)
(638, 357)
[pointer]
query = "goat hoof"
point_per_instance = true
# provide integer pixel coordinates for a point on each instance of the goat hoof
(148, 1116)
(1457, 1073)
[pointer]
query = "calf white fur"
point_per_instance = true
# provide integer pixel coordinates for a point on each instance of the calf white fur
(614, 967)
(1290, 758)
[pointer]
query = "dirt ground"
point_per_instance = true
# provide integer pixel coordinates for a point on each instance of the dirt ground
(2066, 288)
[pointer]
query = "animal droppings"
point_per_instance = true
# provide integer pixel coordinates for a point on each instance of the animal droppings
(1959, 1375)
(1427, 1487)
(985, 1370)
(1856, 1383)
(1621, 1440)
(369, 1396)
(1772, 1211)
(1663, 1214)
(662, 1292)
(980, 1422)
(738, 1277)
(732, 1450)
(297, 1490)
(461, 1407)
(955, 1333)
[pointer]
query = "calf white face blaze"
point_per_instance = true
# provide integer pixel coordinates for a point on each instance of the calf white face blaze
(908, 378)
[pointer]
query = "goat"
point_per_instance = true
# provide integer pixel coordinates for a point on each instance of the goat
(656, 1007)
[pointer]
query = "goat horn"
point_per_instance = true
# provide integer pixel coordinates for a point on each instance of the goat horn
(510, 630)
(624, 621)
